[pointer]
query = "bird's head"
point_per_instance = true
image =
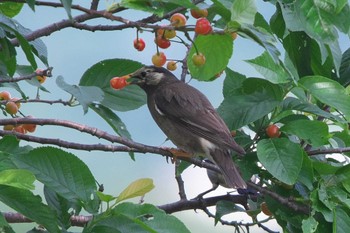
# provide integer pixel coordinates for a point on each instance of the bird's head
(150, 76)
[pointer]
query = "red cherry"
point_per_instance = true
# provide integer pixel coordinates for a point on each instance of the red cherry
(159, 59)
(5, 95)
(178, 20)
(139, 44)
(118, 83)
(203, 26)
(273, 131)
(162, 42)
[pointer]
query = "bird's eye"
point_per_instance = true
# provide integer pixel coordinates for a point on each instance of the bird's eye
(143, 74)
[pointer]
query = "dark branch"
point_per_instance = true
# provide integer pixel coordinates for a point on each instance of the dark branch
(201, 203)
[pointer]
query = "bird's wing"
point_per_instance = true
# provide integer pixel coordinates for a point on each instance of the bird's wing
(187, 106)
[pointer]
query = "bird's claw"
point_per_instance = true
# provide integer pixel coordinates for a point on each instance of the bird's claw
(177, 153)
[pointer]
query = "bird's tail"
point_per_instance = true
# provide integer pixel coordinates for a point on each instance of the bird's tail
(233, 178)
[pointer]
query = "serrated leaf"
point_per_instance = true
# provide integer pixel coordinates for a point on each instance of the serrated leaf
(62, 172)
(243, 11)
(328, 92)
(30, 205)
(265, 65)
(137, 188)
(18, 178)
(282, 158)
(100, 74)
(255, 99)
(217, 50)
(84, 95)
(313, 132)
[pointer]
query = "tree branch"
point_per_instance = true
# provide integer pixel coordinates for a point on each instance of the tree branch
(304, 209)
(202, 203)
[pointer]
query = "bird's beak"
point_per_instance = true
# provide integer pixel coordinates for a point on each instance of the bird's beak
(132, 78)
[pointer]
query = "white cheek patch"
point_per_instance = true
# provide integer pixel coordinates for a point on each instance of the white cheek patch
(155, 79)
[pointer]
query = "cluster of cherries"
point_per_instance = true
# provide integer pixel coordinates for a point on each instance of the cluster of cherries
(162, 40)
(12, 106)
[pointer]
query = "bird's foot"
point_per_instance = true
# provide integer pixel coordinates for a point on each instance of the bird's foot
(177, 153)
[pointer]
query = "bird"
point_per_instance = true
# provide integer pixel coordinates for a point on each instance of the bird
(189, 120)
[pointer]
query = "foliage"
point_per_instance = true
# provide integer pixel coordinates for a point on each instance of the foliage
(303, 176)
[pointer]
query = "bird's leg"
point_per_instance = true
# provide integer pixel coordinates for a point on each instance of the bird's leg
(178, 153)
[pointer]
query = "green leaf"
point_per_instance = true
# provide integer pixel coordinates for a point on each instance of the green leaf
(255, 99)
(341, 222)
(4, 225)
(265, 65)
(315, 18)
(18, 178)
(85, 95)
(155, 7)
(224, 208)
(222, 8)
(8, 56)
(31, 4)
(217, 50)
(292, 103)
(62, 206)
(27, 49)
(157, 220)
(30, 205)
(282, 158)
(105, 197)
(137, 188)
(67, 4)
(309, 225)
(112, 119)
(243, 11)
(306, 175)
(10, 9)
(232, 82)
(100, 74)
(263, 37)
(327, 91)
(313, 132)
(62, 172)
(344, 70)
